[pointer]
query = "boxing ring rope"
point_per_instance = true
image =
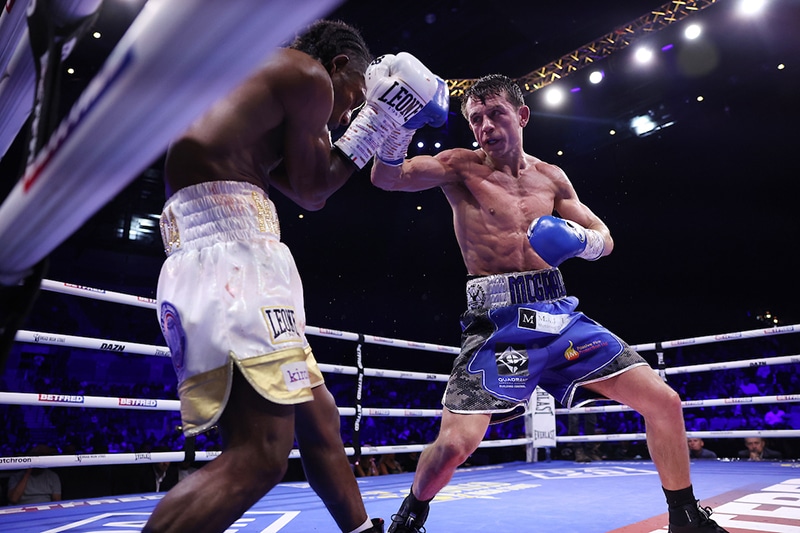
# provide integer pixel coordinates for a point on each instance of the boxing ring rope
(707, 339)
(121, 298)
(141, 98)
(17, 73)
(123, 347)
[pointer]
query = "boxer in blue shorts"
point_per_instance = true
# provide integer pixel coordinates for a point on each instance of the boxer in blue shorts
(521, 329)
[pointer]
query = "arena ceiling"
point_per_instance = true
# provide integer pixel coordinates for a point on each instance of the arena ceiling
(703, 210)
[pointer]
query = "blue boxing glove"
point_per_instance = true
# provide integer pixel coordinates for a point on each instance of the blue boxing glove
(556, 240)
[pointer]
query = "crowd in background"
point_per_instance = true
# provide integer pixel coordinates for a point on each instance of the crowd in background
(36, 368)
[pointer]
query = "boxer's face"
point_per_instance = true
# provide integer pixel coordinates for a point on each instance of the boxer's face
(495, 123)
(349, 93)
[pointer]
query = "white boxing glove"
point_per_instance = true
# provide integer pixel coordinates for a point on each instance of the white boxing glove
(402, 95)
(434, 114)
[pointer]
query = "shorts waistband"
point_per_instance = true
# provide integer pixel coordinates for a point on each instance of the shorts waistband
(227, 210)
(501, 290)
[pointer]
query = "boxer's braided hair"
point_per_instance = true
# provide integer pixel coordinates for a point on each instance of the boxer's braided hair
(325, 39)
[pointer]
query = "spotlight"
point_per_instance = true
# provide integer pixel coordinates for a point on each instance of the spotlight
(692, 31)
(643, 55)
(554, 96)
(642, 125)
(596, 77)
(768, 319)
(751, 7)
(646, 124)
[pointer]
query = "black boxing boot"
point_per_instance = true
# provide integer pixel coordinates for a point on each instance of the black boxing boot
(411, 516)
(692, 518)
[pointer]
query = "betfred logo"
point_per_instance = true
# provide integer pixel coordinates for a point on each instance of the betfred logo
(137, 402)
(63, 398)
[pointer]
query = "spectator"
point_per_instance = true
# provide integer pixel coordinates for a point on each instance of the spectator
(388, 464)
(755, 420)
(625, 451)
(589, 428)
(748, 388)
(155, 477)
(794, 416)
(34, 485)
(757, 450)
(697, 449)
(367, 468)
(776, 418)
(409, 461)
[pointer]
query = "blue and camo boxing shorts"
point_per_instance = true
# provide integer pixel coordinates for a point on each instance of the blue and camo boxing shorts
(229, 294)
(521, 330)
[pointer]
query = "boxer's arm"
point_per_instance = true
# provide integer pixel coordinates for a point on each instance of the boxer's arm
(311, 171)
(573, 209)
(578, 233)
(569, 206)
(418, 173)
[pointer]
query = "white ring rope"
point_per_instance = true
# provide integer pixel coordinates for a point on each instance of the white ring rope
(163, 351)
(12, 28)
(151, 404)
(727, 434)
(140, 99)
(707, 339)
(17, 75)
(9, 463)
(718, 402)
(779, 360)
(104, 345)
(117, 297)
(90, 459)
(116, 346)
(139, 301)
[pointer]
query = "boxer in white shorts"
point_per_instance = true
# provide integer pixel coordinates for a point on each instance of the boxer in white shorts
(230, 299)
(230, 287)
